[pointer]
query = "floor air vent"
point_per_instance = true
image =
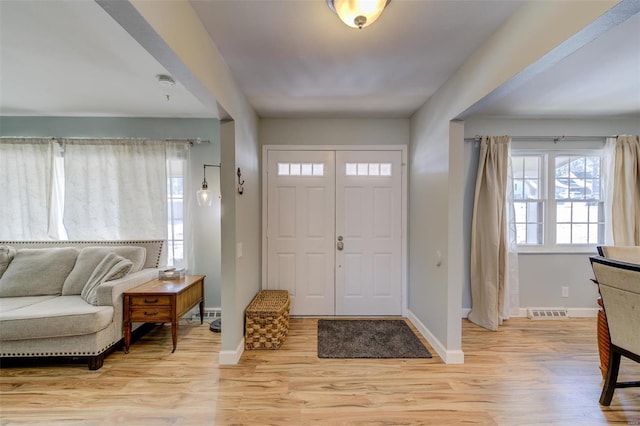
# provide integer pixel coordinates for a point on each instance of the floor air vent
(548, 313)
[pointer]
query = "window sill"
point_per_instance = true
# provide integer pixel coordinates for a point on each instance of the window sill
(586, 249)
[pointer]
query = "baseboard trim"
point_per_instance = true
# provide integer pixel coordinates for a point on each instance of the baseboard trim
(448, 356)
(582, 312)
(231, 357)
(573, 312)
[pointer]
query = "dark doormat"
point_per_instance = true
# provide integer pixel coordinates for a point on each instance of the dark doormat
(368, 339)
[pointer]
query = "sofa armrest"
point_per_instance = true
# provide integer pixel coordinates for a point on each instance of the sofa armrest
(109, 292)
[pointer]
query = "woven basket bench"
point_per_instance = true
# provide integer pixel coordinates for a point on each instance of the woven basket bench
(267, 320)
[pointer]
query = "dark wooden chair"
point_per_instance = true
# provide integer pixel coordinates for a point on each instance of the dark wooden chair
(619, 284)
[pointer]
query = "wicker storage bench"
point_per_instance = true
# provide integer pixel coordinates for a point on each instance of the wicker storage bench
(267, 320)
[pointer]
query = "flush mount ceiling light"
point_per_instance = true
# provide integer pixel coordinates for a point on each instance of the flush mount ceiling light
(165, 80)
(358, 13)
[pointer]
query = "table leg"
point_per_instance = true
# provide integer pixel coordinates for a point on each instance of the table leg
(202, 311)
(174, 334)
(127, 326)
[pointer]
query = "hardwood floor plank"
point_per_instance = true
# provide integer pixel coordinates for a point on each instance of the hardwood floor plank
(528, 373)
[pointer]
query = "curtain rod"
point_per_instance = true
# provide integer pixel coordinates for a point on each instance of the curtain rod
(189, 140)
(555, 139)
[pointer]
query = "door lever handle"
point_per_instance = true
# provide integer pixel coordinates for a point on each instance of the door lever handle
(340, 245)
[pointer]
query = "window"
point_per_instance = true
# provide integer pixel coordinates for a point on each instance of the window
(175, 216)
(557, 198)
(300, 169)
(368, 169)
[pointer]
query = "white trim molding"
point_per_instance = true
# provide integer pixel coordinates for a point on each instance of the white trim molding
(572, 312)
(448, 356)
(231, 357)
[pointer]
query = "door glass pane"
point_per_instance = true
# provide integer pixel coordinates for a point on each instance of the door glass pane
(385, 169)
(306, 169)
(283, 169)
(351, 169)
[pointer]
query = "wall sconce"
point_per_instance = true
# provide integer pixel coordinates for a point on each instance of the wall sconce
(240, 182)
(203, 194)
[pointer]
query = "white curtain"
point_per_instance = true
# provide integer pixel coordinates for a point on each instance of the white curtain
(494, 271)
(25, 173)
(115, 189)
(621, 175)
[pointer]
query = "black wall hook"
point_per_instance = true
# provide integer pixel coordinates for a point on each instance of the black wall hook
(240, 182)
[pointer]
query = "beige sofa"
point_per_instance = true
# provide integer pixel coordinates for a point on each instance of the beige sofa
(64, 298)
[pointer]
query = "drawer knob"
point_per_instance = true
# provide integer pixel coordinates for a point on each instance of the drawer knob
(151, 300)
(149, 314)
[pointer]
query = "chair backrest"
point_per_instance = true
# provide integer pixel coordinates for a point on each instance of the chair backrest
(619, 284)
(629, 254)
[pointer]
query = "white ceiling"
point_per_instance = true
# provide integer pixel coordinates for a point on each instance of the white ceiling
(70, 58)
(296, 59)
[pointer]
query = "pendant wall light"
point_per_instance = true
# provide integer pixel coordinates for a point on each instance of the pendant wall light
(204, 196)
(358, 13)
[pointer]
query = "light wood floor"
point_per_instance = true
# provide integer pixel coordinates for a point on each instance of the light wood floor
(529, 373)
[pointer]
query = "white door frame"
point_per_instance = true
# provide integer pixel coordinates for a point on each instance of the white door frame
(404, 245)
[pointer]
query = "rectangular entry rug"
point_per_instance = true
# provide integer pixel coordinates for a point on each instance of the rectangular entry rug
(368, 339)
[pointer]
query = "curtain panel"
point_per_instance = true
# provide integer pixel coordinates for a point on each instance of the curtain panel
(95, 189)
(26, 173)
(623, 190)
(493, 251)
(115, 189)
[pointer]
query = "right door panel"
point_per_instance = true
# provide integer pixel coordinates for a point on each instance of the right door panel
(368, 233)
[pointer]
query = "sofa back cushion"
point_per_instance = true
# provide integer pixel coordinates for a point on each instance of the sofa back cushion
(90, 257)
(7, 254)
(37, 272)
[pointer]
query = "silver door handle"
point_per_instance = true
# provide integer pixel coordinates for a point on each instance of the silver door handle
(340, 245)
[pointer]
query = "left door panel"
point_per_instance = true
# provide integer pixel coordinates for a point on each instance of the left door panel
(301, 229)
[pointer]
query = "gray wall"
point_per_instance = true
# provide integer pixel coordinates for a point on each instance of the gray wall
(206, 220)
(541, 274)
(339, 131)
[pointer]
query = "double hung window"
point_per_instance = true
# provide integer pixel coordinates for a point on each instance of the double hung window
(558, 199)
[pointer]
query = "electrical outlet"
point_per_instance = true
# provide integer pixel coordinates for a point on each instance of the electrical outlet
(565, 291)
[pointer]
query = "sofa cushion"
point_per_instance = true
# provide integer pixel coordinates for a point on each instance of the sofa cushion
(90, 257)
(110, 268)
(38, 272)
(10, 303)
(60, 316)
(7, 254)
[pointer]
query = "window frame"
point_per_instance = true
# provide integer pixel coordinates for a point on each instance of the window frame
(547, 195)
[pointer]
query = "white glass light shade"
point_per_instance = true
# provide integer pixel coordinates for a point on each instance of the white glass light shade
(359, 13)
(204, 197)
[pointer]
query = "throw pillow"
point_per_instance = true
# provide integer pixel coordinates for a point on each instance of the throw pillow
(89, 258)
(7, 254)
(37, 272)
(110, 268)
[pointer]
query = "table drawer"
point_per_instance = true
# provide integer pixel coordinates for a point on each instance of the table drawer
(151, 314)
(150, 300)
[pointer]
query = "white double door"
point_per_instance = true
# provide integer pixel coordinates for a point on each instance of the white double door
(334, 231)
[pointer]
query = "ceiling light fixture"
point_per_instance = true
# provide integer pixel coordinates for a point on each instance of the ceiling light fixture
(165, 80)
(358, 13)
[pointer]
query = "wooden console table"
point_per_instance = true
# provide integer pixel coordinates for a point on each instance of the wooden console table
(162, 301)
